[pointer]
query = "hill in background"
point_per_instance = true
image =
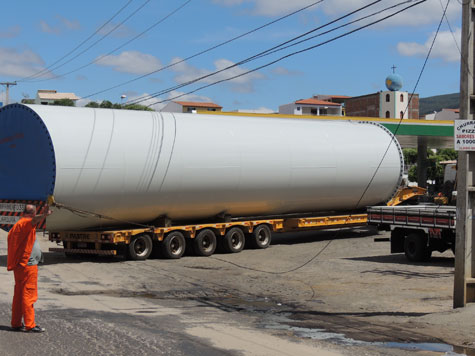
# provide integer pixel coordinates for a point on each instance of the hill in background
(437, 103)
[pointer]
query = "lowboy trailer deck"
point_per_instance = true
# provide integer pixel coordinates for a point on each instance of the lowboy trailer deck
(171, 242)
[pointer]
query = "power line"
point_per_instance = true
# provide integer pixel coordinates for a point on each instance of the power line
(122, 45)
(206, 50)
(462, 58)
(377, 168)
(261, 54)
(337, 28)
(284, 57)
(100, 39)
(410, 99)
(79, 45)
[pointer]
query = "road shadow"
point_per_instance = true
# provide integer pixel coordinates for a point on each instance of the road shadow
(7, 328)
(52, 258)
(400, 258)
(302, 237)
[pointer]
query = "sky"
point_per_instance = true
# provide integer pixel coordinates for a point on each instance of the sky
(125, 51)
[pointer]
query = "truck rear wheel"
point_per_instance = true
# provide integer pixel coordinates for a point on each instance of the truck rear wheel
(173, 245)
(261, 236)
(204, 244)
(234, 240)
(140, 247)
(415, 248)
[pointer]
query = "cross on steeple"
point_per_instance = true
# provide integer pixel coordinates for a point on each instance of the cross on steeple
(394, 68)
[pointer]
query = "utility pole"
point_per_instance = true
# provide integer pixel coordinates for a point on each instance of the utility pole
(7, 84)
(464, 275)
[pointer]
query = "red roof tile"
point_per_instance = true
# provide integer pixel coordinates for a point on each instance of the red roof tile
(316, 102)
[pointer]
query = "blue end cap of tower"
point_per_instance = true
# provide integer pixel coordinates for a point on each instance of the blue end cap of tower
(27, 160)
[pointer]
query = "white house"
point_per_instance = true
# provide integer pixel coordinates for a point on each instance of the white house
(445, 114)
(47, 97)
(311, 106)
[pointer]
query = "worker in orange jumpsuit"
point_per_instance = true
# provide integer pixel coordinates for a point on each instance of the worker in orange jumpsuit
(24, 254)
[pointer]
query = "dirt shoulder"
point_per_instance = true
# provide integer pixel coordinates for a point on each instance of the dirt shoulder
(339, 284)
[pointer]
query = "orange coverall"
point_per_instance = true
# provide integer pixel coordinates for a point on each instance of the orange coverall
(21, 239)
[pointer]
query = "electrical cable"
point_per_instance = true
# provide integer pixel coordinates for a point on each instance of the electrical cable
(364, 192)
(279, 59)
(374, 174)
(79, 45)
(462, 58)
(121, 46)
(99, 40)
(409, 101)
(206, 50)
(338, 27)
(85, 213)
(248, 59)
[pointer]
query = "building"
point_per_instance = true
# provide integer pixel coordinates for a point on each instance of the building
(48, 97)
(191, 107)
(311, 106)
(391, 103)
(339, 99)
(445, 114)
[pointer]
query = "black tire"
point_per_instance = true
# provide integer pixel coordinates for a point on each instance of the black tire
(140, 247)
(173, 245)
(204, 244)
(261, 237)
(415, 248)
(234, 240)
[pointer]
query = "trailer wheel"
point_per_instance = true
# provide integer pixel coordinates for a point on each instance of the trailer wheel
(140, 247)
(261, 236)
(233, 240)
(415, 248)
(204, 244)
(173, 245)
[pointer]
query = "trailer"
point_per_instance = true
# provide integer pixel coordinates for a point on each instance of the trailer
(201, 239)
(416, 230)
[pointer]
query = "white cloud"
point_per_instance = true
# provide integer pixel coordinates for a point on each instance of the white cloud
(69, 24)
(425, 13)
(268, 7)
(21, 64)
(83, 102)
(47, 28)
(62, 24)
(242, 83)
(159, 103)
(11, 32)
(122, 31)
(130, 62)
(444, 48)
(287, 72)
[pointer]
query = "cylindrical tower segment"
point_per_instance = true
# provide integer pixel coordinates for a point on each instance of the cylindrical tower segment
(140, 166)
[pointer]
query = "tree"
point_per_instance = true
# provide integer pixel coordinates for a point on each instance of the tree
(137, 107)
(92, 104)
(27, 101)
(410, 156)
(435, 170)
(106, 104)
(64, 102)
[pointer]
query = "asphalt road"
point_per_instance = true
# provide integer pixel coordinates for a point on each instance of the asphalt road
(350, 297)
